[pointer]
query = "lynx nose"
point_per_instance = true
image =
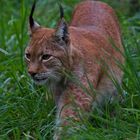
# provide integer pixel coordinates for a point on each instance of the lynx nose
(32, 73)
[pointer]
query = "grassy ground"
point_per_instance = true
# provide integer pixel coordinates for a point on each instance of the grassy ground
(25, 110)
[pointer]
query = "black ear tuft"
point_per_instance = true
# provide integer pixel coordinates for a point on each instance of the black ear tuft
(61, 11)
(32, 24)
(31, 20)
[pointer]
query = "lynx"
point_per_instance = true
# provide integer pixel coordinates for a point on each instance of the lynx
(71, 58)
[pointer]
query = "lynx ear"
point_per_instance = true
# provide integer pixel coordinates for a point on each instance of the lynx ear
(62, 28)
(32, 24)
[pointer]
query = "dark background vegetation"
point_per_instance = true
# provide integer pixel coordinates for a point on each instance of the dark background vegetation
(26, 112)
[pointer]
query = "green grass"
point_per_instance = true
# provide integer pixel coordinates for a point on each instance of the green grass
(27, 113)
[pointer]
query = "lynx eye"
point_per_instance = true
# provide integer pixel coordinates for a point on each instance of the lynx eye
(46, 57)
(27, 56)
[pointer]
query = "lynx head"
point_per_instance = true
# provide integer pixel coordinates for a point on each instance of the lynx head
(47, 54)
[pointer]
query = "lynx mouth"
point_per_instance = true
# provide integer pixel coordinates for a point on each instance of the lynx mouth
(40, 81)
(45, 78)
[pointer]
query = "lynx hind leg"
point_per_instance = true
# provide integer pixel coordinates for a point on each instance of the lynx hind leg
(106, 92)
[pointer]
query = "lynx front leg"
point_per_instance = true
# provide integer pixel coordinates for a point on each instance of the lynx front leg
(71, 103)
(65, 118)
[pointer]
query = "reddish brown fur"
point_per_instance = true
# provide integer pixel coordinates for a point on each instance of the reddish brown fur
(93, 26)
